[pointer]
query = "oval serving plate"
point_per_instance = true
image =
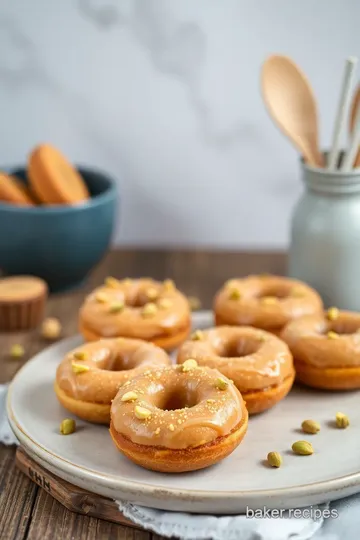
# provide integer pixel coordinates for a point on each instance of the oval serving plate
(89, 459)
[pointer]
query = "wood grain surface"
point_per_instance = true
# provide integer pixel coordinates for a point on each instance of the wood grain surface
(72, 497)
(30, 512)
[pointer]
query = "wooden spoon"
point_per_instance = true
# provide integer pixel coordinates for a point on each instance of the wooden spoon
(291, 103)
(353, 113)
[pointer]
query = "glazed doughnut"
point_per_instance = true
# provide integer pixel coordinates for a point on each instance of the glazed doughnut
(88, 377)
(140, 308)
(180, 418)
(326, 349)
(259, 363)
(266, 302)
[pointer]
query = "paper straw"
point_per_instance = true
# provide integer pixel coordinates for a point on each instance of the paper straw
(349, 158)
(342, 111)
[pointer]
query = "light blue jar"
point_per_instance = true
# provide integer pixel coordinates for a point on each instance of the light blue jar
(325, 236)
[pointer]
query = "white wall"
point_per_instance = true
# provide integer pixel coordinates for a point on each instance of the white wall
(164, 94)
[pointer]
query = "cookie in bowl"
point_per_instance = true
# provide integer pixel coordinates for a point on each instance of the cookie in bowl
(136, 308)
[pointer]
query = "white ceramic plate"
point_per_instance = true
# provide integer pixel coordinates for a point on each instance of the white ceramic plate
(89, 459)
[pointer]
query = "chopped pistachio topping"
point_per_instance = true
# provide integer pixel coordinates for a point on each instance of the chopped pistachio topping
(117, 307)
(141, 413)
(169, 285)
(332, 313)
(152, 293)
(112, 282)
(80, 355)
(197, 335)
(101, 297)
(231, 283)
(234, 294)
(164, 303)
(221, 384)
(79, 368)
(129, 396)
(149, 309)
(189, 364)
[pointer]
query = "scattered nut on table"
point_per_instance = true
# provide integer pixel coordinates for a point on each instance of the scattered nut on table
(194, 303)
(51, 328)
(302, 448)
(310, 426)
(274, 459)
(67, 426)
(342, 420)
(17, 351)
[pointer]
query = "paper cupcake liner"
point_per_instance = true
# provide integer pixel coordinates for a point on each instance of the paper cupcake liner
(24, 315)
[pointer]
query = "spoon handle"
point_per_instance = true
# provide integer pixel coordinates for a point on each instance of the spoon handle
(350, 158)
(343, 107)
(313, 157)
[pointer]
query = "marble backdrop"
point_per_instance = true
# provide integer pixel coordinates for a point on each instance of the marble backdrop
(164, 94)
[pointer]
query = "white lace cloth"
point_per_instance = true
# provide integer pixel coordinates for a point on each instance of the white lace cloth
(202, 527)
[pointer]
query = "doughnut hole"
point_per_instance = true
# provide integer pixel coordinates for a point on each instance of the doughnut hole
(344, 327)
(108, 360)
(175, 400)
(137, 297)
(279, 291)
(180, 396)
(237, 347)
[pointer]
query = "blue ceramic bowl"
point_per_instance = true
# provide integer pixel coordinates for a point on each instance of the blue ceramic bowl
(60, 244)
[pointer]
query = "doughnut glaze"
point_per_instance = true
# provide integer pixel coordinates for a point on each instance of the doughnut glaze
(89, 377)
(178, 418)
(266, 302)
(141, 309)
(326, 349)
(259, 363)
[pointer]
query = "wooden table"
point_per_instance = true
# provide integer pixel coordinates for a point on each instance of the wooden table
(27, 511)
